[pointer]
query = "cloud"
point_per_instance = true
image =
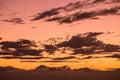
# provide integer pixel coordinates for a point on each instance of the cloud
(54, 19)
(22, 43)
(73, 6)
(90, 57)
(19, 48)
(98, 1)
(114, 56)
(75, 12)
(0, 38)
(33, 58)
(113, 10)
(111, 48)
(88, 15)
(65, 58)
(115, 0)
(88, 44)
(50, 48)
(26, 58)
(80, 40)
(48, 13)
(10, 57)
(31, 52)
(28, 61)
(15, 20)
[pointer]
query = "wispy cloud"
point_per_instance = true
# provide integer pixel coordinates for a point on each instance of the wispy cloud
(49, 61)
(90, 57)
(23, 57)
(65, 58)
(75, 12)
(48, 13)
(15, 20)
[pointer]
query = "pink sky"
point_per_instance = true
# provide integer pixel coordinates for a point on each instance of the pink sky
(26, 9)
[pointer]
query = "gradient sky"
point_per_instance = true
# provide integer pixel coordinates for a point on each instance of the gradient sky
(41, 30)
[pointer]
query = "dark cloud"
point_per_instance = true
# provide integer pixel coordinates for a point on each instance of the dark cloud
(73, 6)
(89, 57)
(87, 50)
(0, 38)
(49, 61)
(65, 58)
(22, 58)
(9, 44)
(15, 20)
(88, 43)
(111, 48)
(113, 10)
(48, 13)
(10, 57)
(31, 52)
(98, 1)
(22, 52)
(54, 14)
(94, 18)
(114, 56)
(80, 40)
(19, 48)
(88, 15)
(56, 11)
(22, 43)
(6, 53)
(28, 61)
(32, 58)
(54, 19)
(77, 16)
(50, 48)
(115, 0)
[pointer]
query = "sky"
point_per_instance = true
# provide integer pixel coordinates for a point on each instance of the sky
(40, 20)
(39, 29)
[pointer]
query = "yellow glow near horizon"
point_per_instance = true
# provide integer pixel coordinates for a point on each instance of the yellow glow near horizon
(95, 63)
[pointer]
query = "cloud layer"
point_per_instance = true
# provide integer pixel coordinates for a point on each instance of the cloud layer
(84, 44)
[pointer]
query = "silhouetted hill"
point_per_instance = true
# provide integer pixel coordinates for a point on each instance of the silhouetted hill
(79, 74)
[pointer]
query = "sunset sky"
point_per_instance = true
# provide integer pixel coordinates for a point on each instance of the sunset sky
(39, 20)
